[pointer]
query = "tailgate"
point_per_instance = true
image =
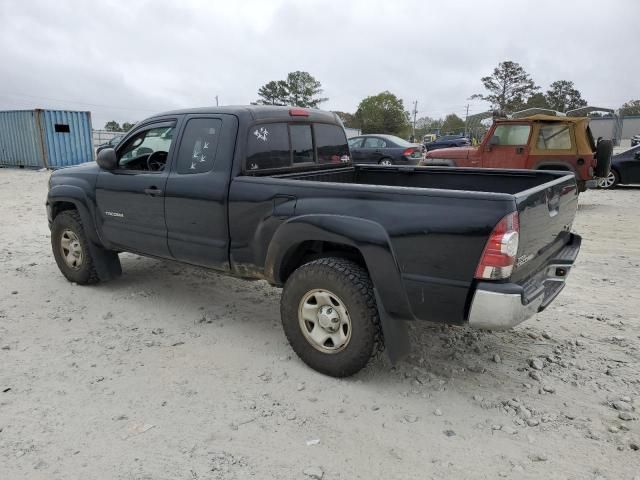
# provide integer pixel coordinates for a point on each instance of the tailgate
(546, 214)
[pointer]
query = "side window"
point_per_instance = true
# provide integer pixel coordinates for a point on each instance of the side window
(147, 150)
(198, 146)
(355, 142)
(331, 143)
(512, 134)
(556, 136)
(268, 147)
(301, 143)
(372, 142)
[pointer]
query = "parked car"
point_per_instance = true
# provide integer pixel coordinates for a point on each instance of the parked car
(264, 192)
(111, 143)
(384, 150)
(635, 140)
(625, 168)
(538, 142)
(448, 141)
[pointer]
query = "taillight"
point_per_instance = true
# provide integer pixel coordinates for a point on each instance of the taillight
(499, 254)
(408, 152)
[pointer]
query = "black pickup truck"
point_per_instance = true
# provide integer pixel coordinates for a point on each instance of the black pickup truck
(271, 193)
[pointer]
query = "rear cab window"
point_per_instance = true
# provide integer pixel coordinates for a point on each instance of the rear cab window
(277, 146)
(268, 147)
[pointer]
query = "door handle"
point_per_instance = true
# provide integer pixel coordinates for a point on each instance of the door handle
(153, 191)
(377, 150)
(519, 149)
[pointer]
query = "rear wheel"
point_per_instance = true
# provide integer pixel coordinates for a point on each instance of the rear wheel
(330, 317)
(386, 161)
(610, 181)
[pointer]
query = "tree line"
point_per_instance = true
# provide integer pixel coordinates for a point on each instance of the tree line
(508, 89)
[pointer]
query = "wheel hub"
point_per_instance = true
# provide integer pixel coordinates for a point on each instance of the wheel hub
(71, 249)
(329, 318)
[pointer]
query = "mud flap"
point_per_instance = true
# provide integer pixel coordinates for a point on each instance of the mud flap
(394, 330)
(106, 262)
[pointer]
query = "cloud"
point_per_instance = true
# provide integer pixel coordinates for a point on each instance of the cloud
(127, 60)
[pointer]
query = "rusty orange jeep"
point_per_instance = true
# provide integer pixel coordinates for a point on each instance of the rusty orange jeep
(538, 142)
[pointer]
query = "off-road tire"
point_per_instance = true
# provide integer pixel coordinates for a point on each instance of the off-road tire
(86, 273)
(352, 284)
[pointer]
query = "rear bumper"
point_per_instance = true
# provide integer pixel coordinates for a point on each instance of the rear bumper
(499, 306)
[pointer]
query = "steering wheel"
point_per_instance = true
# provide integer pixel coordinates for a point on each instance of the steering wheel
(156, 161)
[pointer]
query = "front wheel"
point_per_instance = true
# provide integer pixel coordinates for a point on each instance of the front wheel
(330, 317)
(71, 248)
(610, 181)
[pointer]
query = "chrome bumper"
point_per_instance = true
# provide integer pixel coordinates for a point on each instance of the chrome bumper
(501, 306)
(500, 311)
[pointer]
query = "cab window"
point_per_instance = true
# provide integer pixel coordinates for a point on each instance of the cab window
(301, 143)
(198, 146)
(268, 147)
(512, 134)
(556, 136)
(281, 145)
(331, 143)
(147, 150)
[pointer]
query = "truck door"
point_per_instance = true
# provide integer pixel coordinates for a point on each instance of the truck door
(131, 198)
(197, 191)
(507, 147)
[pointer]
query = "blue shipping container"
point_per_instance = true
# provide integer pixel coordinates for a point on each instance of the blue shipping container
(45, 138)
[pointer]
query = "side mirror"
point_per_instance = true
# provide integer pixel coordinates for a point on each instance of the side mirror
(107, 159)
(637, 155)
(494, 140)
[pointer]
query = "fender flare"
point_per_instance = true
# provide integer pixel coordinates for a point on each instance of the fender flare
(77, 196)
(368, 237)
(106, 262)
(372, 241)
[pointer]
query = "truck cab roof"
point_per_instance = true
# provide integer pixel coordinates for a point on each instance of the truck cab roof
(260, 112)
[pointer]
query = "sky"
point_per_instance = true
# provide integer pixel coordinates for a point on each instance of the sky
(126, 60)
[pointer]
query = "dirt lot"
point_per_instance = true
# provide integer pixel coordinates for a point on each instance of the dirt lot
(178, 373)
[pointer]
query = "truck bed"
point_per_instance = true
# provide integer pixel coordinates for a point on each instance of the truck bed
(474, 180)
(436, 220)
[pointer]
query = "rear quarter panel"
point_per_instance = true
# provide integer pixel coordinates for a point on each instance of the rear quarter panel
(435, 236)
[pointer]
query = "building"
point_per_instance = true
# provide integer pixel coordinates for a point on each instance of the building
(45, 138)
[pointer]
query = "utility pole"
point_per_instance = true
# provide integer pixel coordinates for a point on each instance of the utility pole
(466, 117)
(216, 100)
(415, 112)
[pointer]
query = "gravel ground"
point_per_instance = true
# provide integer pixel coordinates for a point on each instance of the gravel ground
(172, 372)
